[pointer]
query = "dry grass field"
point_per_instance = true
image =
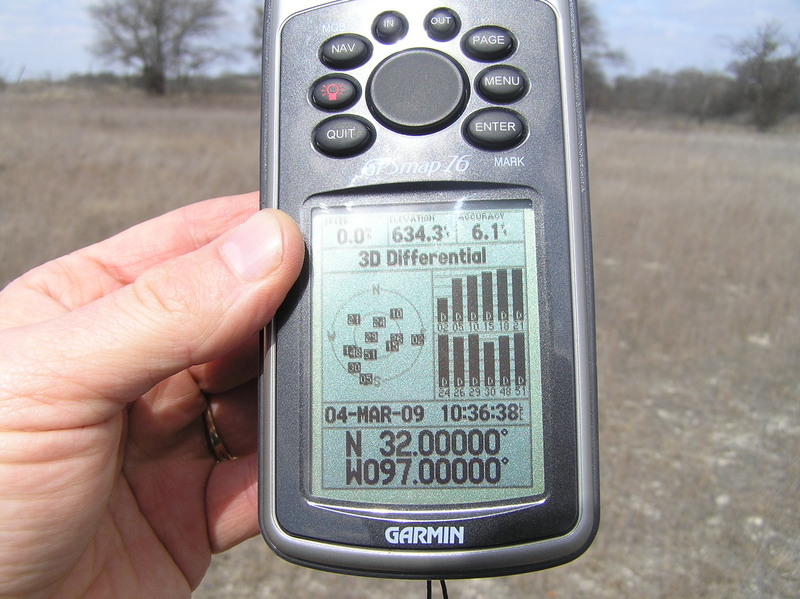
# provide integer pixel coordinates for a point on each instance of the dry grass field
(698, 327)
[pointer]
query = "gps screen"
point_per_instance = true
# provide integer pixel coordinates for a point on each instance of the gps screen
(426, 373)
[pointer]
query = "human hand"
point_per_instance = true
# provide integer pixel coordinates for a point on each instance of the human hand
(108, 359)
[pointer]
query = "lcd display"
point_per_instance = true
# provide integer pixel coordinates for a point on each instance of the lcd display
(426, 377)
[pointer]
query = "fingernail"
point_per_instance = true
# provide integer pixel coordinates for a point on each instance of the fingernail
(255, 248)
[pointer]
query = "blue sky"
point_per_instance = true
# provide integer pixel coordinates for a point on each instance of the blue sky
(40, 38)
(53, 37)
(671, 35)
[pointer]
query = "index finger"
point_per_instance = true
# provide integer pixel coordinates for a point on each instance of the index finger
(132, 252)
(93, 272)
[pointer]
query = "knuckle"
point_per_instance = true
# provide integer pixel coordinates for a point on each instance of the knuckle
(159, 292)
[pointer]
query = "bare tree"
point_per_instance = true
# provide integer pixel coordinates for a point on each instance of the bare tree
(163, 38)
(596, 51)
(257, 28)
(767, 75)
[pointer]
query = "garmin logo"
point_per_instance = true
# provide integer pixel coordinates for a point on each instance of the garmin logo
(425, 535)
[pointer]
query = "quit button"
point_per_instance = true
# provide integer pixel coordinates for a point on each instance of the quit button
(495, 129)
(343, 136)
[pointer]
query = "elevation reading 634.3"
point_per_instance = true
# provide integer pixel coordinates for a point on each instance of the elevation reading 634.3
(425, 322)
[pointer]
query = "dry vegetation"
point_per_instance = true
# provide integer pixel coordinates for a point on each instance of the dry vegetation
(698, 321)
(78, 165)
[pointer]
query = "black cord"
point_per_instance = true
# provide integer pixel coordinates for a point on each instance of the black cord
(429, 585)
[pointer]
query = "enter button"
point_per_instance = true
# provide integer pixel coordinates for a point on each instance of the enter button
(494, 129)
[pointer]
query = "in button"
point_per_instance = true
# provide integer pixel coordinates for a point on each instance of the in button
(390, 27)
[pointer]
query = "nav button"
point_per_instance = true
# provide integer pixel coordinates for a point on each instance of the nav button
(343, 136)
(495, 129)
(345, 52)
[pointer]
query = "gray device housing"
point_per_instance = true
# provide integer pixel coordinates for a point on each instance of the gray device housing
(295, 176)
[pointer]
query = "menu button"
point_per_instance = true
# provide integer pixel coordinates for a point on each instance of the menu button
(502, 84)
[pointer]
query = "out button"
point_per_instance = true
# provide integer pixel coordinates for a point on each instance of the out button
(495, 129)
(442, 24)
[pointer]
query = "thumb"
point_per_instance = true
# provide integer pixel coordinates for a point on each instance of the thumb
(186, 311)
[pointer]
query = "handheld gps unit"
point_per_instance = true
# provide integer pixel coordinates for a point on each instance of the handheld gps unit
(428, 396)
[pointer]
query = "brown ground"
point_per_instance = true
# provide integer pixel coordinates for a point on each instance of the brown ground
(698, 327)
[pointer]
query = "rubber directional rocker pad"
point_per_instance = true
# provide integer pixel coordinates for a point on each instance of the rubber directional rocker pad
(417, 91)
